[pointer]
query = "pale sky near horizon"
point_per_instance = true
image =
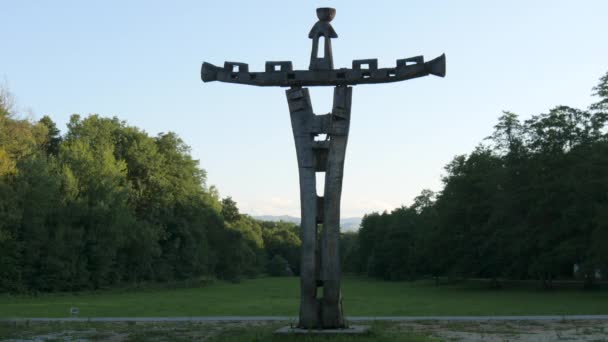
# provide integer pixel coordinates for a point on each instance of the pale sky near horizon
(140, 61)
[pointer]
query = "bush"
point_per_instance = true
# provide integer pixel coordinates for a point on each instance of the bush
(279, 267)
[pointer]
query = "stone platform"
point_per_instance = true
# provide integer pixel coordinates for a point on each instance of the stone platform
(351, 330)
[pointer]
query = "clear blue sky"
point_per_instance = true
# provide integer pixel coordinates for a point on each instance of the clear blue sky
(140, 61)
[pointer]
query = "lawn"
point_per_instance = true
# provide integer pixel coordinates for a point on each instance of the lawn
(279, 297)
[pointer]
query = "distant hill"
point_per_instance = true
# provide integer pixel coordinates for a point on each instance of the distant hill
(349, 224)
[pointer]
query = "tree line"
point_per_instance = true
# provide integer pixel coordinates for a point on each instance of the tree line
(107, 204)
(531, 202)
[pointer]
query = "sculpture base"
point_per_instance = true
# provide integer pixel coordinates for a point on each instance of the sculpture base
(351, 330)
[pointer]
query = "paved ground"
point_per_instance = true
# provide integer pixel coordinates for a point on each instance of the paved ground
(513, 331)
(493, 330)
(220, 319)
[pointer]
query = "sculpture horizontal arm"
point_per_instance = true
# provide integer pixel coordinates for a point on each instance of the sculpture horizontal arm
(281, 73)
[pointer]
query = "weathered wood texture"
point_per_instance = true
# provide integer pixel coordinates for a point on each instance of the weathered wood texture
(405, 69)
(332, 315)
(302, 119)
(320, 265)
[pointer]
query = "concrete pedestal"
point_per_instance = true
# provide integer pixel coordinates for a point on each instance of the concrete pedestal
(351, 330)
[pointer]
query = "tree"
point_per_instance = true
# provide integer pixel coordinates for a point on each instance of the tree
(281, 238)
(601, 91)
(230, 211)
(278, 267)
(53, 138)
(349, 252)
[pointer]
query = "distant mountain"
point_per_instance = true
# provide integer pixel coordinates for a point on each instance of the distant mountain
(348, 224)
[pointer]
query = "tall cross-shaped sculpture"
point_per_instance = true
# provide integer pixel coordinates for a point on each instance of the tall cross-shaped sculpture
(320, 222)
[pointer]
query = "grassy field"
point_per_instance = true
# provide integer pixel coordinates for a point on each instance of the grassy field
(279, 296)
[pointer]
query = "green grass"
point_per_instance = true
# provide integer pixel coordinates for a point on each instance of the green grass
(279, 296)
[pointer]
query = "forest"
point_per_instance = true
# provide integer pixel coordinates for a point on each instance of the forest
(105, 204)
(530, 202)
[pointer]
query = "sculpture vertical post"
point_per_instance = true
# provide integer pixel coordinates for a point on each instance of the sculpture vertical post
(331, 311)
(320, 264)
(302, 121)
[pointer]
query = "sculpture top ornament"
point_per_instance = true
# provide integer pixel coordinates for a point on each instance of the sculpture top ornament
(323, 29)
(321, 70)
